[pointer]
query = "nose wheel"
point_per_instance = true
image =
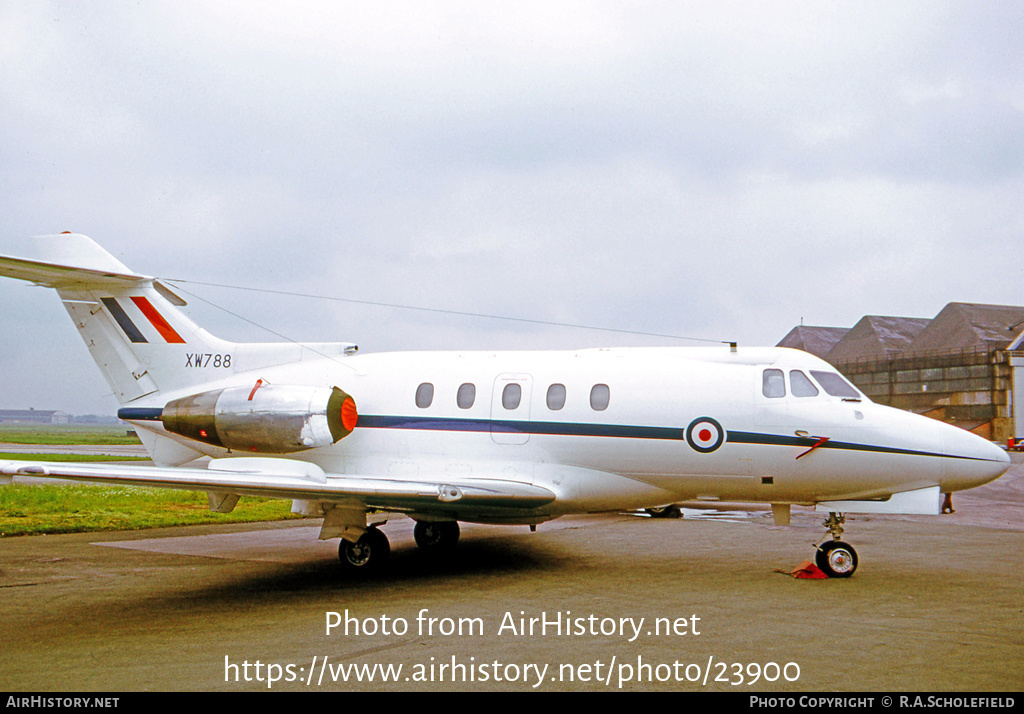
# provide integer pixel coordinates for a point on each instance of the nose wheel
(836, 558)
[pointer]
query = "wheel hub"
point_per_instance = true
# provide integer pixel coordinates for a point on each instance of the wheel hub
(358, 553)
(840, 560)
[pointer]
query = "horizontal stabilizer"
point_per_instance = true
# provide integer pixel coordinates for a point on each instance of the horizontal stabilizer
(62, 276)
(74, 261)
(67, 260)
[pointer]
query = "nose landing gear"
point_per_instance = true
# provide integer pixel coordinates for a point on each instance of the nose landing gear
(836, 558)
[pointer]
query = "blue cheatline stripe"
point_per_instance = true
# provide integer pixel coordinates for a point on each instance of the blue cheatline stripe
(741, 437)
(549, 428)
(123, 320)
(620, 431)
(552, 428)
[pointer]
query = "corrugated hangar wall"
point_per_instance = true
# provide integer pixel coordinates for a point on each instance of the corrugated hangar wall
(971, 389)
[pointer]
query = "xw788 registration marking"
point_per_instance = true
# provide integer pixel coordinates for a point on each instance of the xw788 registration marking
(208, 359)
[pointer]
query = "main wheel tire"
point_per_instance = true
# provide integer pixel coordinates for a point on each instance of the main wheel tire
(368, 553)
(836, 559)
(436, 536)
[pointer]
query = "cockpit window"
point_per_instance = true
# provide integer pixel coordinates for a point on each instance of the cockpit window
(773, 384)
(800, 385)
(835, 385)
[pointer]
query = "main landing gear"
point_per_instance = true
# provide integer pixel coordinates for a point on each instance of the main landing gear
(436, 536)
(836, 558)
(372, 549)
(366, 554)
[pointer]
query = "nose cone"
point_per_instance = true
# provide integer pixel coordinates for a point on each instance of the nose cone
(969, 460)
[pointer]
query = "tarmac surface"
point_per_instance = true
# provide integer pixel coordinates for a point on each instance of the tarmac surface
(936, 605)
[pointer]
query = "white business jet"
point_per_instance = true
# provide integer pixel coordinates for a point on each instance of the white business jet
(487, 437)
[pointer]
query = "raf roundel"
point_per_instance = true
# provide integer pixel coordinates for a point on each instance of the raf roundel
(705, 434)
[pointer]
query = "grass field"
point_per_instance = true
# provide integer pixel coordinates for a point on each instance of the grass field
(68, 434)
(59, 508)
(35, 510)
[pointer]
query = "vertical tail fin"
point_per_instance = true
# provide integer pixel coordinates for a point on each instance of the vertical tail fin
(142, 343)
(148, 350)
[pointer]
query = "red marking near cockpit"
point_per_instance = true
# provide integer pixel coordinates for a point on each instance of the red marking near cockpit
(820, 442)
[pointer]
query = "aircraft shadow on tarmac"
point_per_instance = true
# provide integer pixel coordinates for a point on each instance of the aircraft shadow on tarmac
(474, 561)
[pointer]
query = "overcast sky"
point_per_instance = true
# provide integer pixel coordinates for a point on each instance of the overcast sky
(707, 169)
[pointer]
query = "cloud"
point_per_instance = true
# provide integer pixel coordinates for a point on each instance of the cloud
(715, 171)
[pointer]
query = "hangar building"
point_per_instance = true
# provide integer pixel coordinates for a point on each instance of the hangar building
(964, 366)
(33, 416)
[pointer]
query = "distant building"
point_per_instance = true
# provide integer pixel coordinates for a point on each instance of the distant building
(963, 366)
(1016, 352)
(966, 327)
(877, 337)
(33, 416)
(819, 341)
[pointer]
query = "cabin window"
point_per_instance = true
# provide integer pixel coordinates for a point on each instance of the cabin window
(466, 395)
(801, 385)
(556, 397)
(511, 395)
(773, 384)
(424, 395)
(835, 385)
(600, 395)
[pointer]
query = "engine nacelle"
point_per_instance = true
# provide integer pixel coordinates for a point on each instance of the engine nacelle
(268, 419)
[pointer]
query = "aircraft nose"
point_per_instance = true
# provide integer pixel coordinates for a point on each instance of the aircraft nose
(970, 460)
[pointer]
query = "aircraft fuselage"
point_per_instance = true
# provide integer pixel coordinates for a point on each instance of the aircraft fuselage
(628, 428)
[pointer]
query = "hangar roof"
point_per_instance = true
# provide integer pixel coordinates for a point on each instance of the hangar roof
(960, 326)
(878, 337)
(970, 327)
(819, 341)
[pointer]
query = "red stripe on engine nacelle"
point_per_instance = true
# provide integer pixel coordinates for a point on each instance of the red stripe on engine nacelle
(161, 325)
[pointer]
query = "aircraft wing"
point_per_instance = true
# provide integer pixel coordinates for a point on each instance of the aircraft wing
(284, 478)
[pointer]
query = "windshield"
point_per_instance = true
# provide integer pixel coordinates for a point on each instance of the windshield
(835, 385)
